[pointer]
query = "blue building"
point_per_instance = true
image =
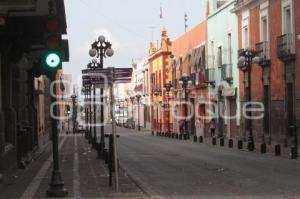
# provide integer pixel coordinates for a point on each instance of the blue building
(222, 45)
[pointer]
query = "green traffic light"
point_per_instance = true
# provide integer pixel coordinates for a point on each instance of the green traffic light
(53, 60)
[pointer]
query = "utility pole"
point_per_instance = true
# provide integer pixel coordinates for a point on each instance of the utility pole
(185, 22)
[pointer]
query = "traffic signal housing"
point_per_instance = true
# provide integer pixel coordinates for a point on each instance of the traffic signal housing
(52, 56)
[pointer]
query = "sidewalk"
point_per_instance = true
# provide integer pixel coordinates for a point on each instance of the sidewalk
(84, 175)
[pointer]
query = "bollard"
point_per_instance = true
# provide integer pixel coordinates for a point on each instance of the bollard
(180, 136)
(176, 136)
(163, 134)
(221, 141)
(173, 135)
(263, 148)
(195, 138)
(185, 136)
(230, 143)
(152, 133)
(200, 139)
(294, 151)
(214, 141)
(277, 150)
(240, 144)
(156, 133)
(106, 156)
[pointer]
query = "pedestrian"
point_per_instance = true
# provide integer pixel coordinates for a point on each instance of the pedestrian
(212, 127)
(181, 126)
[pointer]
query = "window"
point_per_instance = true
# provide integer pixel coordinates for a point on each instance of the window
(229, 48)
(264, 29)
(287, 20)
(220, 61)
(212, 55)
(246, 37)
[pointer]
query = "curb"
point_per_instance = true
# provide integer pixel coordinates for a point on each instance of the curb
(135, 180)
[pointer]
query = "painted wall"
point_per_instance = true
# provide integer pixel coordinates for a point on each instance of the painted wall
(222, 22)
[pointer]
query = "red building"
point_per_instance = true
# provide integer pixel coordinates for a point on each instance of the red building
(189, 58)
(270, 29)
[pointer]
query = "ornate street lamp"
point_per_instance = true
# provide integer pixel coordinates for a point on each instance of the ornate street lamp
(101, 49)
(167, 88)
(74, 112)
(157, 93)
(185, 83)
(247, 57)
(132, 101)
(138, 98)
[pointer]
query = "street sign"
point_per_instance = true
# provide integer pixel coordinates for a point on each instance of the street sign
(121, 75)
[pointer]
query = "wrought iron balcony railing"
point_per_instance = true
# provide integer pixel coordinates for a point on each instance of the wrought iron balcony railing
(210, 76)
(226, 72)
(263, 52)
(285, 47)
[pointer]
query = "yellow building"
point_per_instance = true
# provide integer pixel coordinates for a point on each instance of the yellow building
(160, 71)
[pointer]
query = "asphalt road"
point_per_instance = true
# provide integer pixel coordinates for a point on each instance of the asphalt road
(167, 168)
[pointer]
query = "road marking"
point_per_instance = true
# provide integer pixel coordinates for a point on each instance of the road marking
(34, 185)
(76, 176)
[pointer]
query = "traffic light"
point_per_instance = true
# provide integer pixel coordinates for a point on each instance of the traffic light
(52, 56)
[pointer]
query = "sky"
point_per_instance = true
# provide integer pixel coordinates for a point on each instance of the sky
(130, 25)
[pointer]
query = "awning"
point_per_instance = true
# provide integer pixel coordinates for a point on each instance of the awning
(196, 54)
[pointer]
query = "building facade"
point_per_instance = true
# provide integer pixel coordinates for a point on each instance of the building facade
(21, 45)
(270, 29)
(160, 65)
(222, 45)
(189, 57)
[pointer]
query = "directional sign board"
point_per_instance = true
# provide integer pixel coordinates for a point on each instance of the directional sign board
(97, 75)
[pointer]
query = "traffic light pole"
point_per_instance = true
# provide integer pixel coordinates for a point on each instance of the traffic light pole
(56, 188)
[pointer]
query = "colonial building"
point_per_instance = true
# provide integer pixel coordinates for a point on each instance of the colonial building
(222, 45)
(189, 58)
(160, 65)
(270, 28)
(21, 44)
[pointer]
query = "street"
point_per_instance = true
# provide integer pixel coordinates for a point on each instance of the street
(171, 168)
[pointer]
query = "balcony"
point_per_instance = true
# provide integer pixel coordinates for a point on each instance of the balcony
(263, 52)
(285, 47)
(210, 76)
(226, 73)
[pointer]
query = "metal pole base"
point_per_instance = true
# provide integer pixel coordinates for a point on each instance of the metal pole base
(100, 151)
(251, 146)
(56, 188)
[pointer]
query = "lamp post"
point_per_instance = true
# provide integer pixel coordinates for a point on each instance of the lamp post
(185, 82)
(132, 101)
(168, 87)
(74, 112)
(245, 61)
(126, 100)
(138, 98)
(157, 93)
(123, 111)
(101, 49)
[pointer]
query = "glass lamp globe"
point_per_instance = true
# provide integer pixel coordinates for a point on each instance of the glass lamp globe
(93, 52)
(172, 88)
(190, 82)
(256, 60)
(109, 52)
(241, 60)
(180, 82)
(184, 75)
(101, 38)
